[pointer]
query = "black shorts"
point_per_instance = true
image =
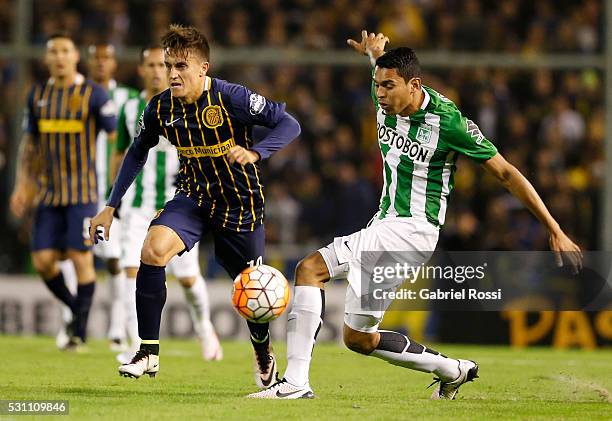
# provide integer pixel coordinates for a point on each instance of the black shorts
(234, 250)
(62, 227)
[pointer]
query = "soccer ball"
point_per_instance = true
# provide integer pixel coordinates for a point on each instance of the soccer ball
(260, 294)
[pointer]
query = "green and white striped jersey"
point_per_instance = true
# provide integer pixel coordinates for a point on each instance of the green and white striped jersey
(155, 184)
(419, 154)
(118, 94)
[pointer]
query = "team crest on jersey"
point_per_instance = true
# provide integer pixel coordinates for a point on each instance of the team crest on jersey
(423, 134)
(256, 104)
(212, 116)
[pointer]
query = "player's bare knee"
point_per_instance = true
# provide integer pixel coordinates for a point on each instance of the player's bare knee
(360, 342)
(113, 266)
(45, 264)
(311, 271)
(83, 265)
(187, 282)
(153, 255)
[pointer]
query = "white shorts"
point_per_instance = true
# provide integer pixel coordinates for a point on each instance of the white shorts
(110, 249)
(414, 238)
(136, 225)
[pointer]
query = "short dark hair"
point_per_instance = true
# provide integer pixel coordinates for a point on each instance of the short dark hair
(181, 39)
(148, 48)
(57, 35)
(403, 59)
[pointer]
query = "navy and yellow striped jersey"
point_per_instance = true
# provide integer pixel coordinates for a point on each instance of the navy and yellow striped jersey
(203, 132)
(64, 123)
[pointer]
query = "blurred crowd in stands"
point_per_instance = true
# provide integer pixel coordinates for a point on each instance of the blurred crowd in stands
(550, 124)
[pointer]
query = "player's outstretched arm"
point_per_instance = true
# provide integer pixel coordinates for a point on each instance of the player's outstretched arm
(523, 190)
(371, 45)
(27, 172)
(134, 160)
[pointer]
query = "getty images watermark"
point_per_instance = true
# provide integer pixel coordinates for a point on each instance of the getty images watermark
(477, 281)
(410, 274)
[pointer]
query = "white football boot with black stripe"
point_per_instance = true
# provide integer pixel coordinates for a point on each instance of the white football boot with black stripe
(468, 371)
(142, 363)
(284, 390)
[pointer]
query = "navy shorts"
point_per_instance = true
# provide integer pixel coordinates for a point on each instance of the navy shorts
(62, 227)
(234, 250)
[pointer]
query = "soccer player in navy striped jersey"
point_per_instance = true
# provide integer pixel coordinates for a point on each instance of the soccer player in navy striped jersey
(56, 172)
(219, 190)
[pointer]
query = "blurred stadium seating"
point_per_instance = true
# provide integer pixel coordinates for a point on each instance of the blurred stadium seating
(548, 122)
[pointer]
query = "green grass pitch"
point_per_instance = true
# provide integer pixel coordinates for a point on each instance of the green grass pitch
(537, 383)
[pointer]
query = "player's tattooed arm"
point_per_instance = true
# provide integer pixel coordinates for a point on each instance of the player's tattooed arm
(563, 247)
(371, 45)
(28, 168)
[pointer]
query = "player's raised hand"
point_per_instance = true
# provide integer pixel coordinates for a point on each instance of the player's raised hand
(104, 219)
(242, 156)
(566, 249)
(371, 44)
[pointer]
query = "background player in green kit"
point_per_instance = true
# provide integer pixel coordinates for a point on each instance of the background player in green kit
(154, 186)
(420, 133)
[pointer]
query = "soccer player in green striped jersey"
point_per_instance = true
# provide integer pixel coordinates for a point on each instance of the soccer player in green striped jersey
(102, 64)
(420, 133)
(154, 186)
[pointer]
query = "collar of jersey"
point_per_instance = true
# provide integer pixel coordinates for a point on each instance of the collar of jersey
(426, 99)
(78, 80)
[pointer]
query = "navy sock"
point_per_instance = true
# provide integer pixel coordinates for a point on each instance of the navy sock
(260, 334)
(58, 287)
(150, 300)
(83, 302)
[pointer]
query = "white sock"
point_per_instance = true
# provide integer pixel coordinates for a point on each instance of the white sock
(116, 329)
(199, 306)
(303, 324)
(398, 349)
(131, 318)
(71, 281)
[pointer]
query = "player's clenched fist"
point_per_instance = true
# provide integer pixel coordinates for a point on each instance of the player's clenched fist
(242, 156)
(104, 219)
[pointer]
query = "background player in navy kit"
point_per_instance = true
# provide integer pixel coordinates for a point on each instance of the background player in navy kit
(57, 161)
(210, 122)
